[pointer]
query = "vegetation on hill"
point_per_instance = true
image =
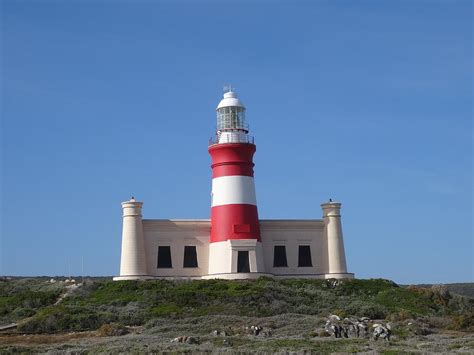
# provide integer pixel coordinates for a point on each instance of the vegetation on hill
(463, 289)
(100, 302)
(21, 298)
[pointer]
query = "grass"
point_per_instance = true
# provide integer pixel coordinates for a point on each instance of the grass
(396, 299)
(137, 302)
(23, 298)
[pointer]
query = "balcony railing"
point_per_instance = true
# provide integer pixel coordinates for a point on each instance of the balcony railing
(241, 138)
(225, 125)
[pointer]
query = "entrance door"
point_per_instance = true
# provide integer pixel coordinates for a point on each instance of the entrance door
(243, 264)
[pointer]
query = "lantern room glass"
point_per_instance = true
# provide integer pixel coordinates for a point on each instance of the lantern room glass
(231, 118)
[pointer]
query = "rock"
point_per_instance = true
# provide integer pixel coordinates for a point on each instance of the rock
(191, 340)
(216, 333)
(186, 339)
(381, 331)
(348, 328)
(256, 329)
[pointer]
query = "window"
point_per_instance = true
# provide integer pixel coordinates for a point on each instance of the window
(243, 264)
(164, 257)
(190, 257)
(279, 256)
(304, 256)
(231, 118)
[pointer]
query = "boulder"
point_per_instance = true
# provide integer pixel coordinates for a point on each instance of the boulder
(381, 331)
(186, 339)
(347, 328)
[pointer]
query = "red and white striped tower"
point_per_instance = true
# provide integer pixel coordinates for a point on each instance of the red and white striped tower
(235, 248)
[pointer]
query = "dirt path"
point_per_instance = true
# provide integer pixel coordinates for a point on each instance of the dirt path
(38, 339)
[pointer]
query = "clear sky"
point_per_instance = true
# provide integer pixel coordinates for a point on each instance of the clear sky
(366, 102)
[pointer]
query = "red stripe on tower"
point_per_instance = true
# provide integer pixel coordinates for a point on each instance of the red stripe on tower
(232, 159)
(234, 222)
(234, 207)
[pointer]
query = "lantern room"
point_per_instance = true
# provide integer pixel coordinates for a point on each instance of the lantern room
(231, 124)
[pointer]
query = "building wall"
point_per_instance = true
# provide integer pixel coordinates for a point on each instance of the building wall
(177, 234)
(291, 233)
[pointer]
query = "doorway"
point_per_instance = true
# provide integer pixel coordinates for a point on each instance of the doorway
(243, 264)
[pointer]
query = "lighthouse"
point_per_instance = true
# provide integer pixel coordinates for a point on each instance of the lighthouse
(234, 243)
(235, 249)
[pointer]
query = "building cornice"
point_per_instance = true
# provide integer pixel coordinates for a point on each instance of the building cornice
(291, 223)
(206, 223)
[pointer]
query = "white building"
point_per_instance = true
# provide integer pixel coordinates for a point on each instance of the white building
(234, 243)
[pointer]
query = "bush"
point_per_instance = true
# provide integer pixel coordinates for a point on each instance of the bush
(112, 330)
(415, 301)
(364, 309)
(17, 304)
(60, 318)
(341, 313)
(439, 322)
(323, 334)
(401, 333)
(464, 322)
(400, 315)
(364, 287)
(20, 313)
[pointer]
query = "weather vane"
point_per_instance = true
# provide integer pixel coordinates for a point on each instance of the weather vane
(228, 88)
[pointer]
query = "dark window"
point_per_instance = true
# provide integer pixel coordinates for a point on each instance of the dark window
(190, 257)
(304, 256)
(279, 256)
(164, 257)
(243, 264)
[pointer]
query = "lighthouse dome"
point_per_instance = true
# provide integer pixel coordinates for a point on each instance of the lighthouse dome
(230, 100)
(231, 125)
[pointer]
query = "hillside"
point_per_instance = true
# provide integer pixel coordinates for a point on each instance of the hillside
(291, 312)
(463, 289)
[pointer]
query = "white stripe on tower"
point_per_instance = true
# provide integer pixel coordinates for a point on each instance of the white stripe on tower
(237, 189)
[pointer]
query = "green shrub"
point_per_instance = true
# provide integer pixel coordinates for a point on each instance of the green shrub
(60, 318)
(401, 333)
(20, 313)
(165, 310)
(365, 309)
(395, 299)
(369, 287)
(21, 303)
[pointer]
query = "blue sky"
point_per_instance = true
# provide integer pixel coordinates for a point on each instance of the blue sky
(367, 102)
